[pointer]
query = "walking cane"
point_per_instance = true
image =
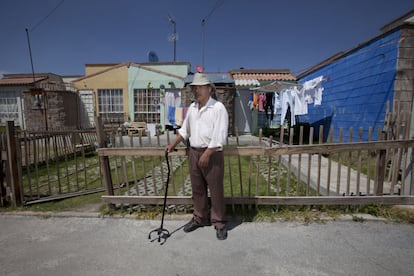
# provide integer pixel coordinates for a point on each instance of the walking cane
(163, 234)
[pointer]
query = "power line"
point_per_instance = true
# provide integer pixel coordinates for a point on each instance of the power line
(49, 14)
(203, 24)
(216, 6)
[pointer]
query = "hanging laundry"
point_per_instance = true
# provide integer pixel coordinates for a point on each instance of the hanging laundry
(171, 115)
(178, 116)
(262, 102)
(286, 101)
(255, 100)
(269, 106)
(251, 101)
(300, 102)
(177, 95)
(276, 102)
(172, 100)
(288, 97)
(312, 89)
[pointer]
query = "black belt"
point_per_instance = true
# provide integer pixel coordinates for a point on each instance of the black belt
(198, 149)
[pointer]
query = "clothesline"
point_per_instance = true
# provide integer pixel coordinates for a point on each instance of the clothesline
(279, 86)
(276, 86)
(278, 97)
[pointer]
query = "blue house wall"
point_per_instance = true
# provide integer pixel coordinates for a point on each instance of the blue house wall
(358, 87)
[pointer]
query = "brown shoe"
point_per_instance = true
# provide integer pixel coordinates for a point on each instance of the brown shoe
(193, 225)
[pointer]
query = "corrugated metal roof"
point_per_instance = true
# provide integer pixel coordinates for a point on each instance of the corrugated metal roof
(213, 77)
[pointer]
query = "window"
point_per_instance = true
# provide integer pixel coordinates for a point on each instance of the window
(111, 105)
(9, 110)
(147, 105)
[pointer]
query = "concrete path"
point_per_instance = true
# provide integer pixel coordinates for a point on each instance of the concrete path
(349, 182)
(33, 245)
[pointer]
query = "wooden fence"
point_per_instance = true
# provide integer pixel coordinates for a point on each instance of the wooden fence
(43, 166)
(270, 172)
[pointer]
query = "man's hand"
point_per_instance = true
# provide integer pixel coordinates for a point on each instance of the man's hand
(205, 157)
(170, 148)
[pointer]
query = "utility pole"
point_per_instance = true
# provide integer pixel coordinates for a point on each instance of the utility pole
(174, 35)
(203, 38)
(38, 93)
(30, 53)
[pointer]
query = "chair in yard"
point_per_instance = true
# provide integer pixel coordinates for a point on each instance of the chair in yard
(137, 128)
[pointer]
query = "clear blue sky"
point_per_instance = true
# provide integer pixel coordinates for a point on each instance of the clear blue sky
(257, 34)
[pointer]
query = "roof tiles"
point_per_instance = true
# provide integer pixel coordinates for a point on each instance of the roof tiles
(20, 80)
(245, 77)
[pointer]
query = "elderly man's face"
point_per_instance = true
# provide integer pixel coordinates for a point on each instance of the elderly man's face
(202, 93)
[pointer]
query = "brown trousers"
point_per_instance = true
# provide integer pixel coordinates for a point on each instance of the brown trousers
(211, 178)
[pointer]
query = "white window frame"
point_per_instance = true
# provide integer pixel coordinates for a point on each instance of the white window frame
(111, 103)
(147, 105)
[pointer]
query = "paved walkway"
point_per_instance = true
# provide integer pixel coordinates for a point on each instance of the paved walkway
(340, 186)
(94, 246)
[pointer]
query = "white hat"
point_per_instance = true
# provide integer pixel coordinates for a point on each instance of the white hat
(200, 79)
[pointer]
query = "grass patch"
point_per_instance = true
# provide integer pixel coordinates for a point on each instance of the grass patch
(321, 214)
(285, 213)
(247, 176)
(69, 175)
(78, 203)
(365, 161)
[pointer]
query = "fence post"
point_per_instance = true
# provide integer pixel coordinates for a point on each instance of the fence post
(380, 169)
(411, 189)
(104, 160)
(3, 157)
(16, 193)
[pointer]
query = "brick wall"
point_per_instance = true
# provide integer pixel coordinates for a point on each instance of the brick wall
(58, 111)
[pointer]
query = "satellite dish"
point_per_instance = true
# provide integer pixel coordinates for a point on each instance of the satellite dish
(152, 56)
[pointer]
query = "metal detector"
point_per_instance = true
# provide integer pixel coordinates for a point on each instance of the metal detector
(163, 234)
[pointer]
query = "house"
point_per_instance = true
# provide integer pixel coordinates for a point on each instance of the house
(30, 101)
(363, 79)
(129, 92)
(248, 119)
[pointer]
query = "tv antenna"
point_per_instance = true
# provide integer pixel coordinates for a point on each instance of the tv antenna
(173, 37)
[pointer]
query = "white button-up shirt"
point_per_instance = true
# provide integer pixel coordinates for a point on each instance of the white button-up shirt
(207, 127)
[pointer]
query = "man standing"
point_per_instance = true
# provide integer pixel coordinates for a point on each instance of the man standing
(206, 127)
